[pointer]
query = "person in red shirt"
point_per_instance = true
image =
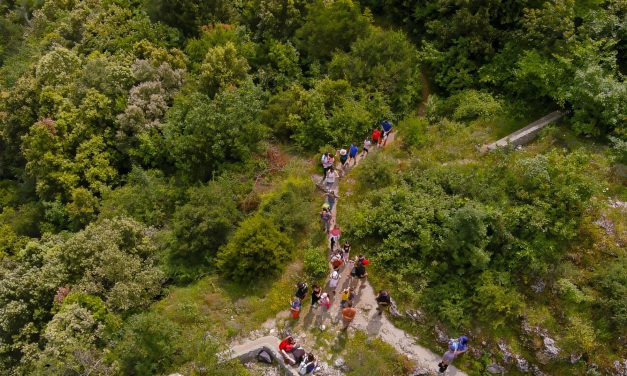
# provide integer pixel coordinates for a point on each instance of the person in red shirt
(376, 136)
(285, 347)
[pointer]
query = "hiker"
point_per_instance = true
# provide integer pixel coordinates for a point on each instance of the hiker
(387, 129)
(346, 248)
(351, 295)
(352, 154)
(308, 366)
(326, 217)
(456, 347)
(285, 348)
(333, 280)
(316, 291)
(301, 290)
(344, 297)
(325, 302)
(343, 157)
(336, 261)
(325, 164)
(348, 315)
(295, 307)
(335, 237)
(331, 176)
(383, 301)
(376, 136)
(366, 148)
(331, 197)
(359, 268)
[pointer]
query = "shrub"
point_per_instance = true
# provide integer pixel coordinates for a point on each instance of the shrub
(202, 225)
(316, 264)
(413, 131)
(257, 250)
(290, 207)
(149, 345)
(376, 171)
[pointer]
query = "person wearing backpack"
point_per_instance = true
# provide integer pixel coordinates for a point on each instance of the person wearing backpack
(386, 126)
(337, 261)
(316, 291)
(295, 307)
(383, 301)
(352, 153)
(456, 348)
(301, 290)
(326, 217)
(333, 280)
(331, 197)
(308, 366)
(346, 248)
(344, 297)
(331, 177)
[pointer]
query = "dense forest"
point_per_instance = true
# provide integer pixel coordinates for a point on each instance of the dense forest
(155, 163)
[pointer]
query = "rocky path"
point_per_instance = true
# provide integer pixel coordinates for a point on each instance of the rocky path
(367, 319)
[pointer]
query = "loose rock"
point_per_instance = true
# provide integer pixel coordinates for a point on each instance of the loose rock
(495, 369)
(549, 347)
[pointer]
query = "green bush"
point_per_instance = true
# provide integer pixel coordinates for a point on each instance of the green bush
(376, 171)
(290, 207)
(316, 264)
(413, 131)
(256, 250)
(203, 224)
(149, 345)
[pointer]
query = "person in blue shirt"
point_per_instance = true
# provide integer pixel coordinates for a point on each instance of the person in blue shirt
(352, 153)
(456, 347)
(386, 127)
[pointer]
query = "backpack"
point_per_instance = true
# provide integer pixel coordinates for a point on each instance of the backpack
(264, 357)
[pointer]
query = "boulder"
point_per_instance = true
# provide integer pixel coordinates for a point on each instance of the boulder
(550, 349)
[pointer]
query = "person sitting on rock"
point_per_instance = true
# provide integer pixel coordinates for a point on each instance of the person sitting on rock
(456, 347)
(285, 348)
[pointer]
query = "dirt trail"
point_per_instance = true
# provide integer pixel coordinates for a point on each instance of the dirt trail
(367, 319)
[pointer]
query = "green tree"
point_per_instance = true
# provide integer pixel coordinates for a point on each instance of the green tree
(222, 68)
(189, 15)
(204, 135)
(331, 26)
(383, 61)
(203, 224)
(256, 249)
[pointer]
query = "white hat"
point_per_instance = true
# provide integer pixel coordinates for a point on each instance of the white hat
(342, 151)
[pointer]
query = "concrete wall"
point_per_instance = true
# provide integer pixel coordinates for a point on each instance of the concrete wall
(524, 135)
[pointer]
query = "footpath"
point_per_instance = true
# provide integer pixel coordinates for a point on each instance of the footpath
(367, 320)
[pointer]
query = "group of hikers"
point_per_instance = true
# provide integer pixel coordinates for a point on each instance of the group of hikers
(340, 259)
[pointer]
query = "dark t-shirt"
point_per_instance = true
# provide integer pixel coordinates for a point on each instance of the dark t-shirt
(383, 299)
(301, 292)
